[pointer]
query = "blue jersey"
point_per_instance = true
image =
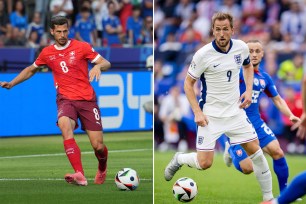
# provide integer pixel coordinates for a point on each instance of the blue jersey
(136, 27)
(85, 28)
(114, 22)
(262, 83)
(19, 22)
(38, 28)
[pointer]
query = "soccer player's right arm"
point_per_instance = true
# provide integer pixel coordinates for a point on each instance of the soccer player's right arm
(196, 68)
(199, 117)
(190, 94)
(22, 76)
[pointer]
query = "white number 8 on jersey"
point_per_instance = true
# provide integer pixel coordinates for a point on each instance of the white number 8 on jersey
(64, 66)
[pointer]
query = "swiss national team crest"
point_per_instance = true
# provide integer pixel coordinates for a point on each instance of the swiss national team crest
(239, 152)
(72, 53)
(262, 83)
(72, 58)
(200, 140)
(237, 59)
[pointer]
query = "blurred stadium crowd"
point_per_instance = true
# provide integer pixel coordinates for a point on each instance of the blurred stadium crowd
(113, 23)
(182, 27)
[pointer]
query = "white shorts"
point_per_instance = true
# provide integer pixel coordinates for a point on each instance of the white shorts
(238, 128)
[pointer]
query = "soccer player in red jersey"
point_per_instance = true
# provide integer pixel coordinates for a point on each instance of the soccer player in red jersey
(76, 98)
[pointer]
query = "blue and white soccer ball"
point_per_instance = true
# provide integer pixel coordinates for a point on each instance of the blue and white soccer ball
(185, 189)
(127, 179)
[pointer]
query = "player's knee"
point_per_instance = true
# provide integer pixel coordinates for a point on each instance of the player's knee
(66, 130)
(277, 154)
(98, 146)
(205, 164)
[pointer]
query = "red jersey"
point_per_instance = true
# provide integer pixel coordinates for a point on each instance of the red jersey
(70, 69)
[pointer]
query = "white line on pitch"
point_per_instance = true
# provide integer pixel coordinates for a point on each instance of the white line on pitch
(62, 154)
(54, 179)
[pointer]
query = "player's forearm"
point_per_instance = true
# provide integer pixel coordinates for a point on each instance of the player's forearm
(304, 93)
(249, 76)
(282, 106)
(190, 94)
(103, 65)
(23, 75)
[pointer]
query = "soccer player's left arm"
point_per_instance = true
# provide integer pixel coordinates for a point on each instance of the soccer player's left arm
(248, 74)
(282, 106)
(101, 65)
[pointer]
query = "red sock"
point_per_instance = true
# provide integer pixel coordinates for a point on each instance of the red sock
(74, 155)
(102, 158)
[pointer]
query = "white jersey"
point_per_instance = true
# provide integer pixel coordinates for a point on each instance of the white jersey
(219, 74)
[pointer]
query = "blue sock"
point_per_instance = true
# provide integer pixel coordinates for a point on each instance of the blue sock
(238, 154)
(282, 172)
(295, 190)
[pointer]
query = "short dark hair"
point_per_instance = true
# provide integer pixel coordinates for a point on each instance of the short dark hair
(58, 20)
(136, 7)
(84, 9)
(222, 16)
(110, 3)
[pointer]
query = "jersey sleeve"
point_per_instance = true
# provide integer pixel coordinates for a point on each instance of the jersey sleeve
(197, 66)
(270, 89)
(41, 59)
(245, 54)
(90, 54)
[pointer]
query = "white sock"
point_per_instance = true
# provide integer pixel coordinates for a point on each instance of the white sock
(189, 159)
(263, 174)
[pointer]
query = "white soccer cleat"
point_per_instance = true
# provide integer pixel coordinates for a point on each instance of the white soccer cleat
(172, 167)
(226, 156)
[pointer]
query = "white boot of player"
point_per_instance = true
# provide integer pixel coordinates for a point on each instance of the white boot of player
(226, 156)
(172, 167)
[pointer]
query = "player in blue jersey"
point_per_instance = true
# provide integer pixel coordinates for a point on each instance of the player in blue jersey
(297, 188)
(262, 84)
(217, 65)
(85, 28)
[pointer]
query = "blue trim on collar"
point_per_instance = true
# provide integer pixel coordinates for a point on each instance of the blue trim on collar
(214, 44)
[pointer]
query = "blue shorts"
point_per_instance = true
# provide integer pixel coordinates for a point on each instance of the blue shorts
(265, 136)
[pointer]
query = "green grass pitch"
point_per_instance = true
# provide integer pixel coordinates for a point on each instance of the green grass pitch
(32, 170)
(219, 184)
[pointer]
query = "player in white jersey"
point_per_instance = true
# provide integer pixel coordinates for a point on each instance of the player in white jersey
(217, 65)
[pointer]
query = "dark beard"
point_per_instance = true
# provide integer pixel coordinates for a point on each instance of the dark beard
(222, 46)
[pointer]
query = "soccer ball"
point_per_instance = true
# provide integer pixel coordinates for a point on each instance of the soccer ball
(185, 189)
(127, 179)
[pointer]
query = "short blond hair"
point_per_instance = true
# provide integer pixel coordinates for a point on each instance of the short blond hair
(222, 16)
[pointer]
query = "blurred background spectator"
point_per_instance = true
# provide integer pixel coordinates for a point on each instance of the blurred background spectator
(19, 20)
(61, 7)
(112, 27)
(100, 11)
(184, 26)
(134, 27)
(98, 22)
(174, 108)
(147, 30)
(5, 26)
(86, 28)
(36, 27)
